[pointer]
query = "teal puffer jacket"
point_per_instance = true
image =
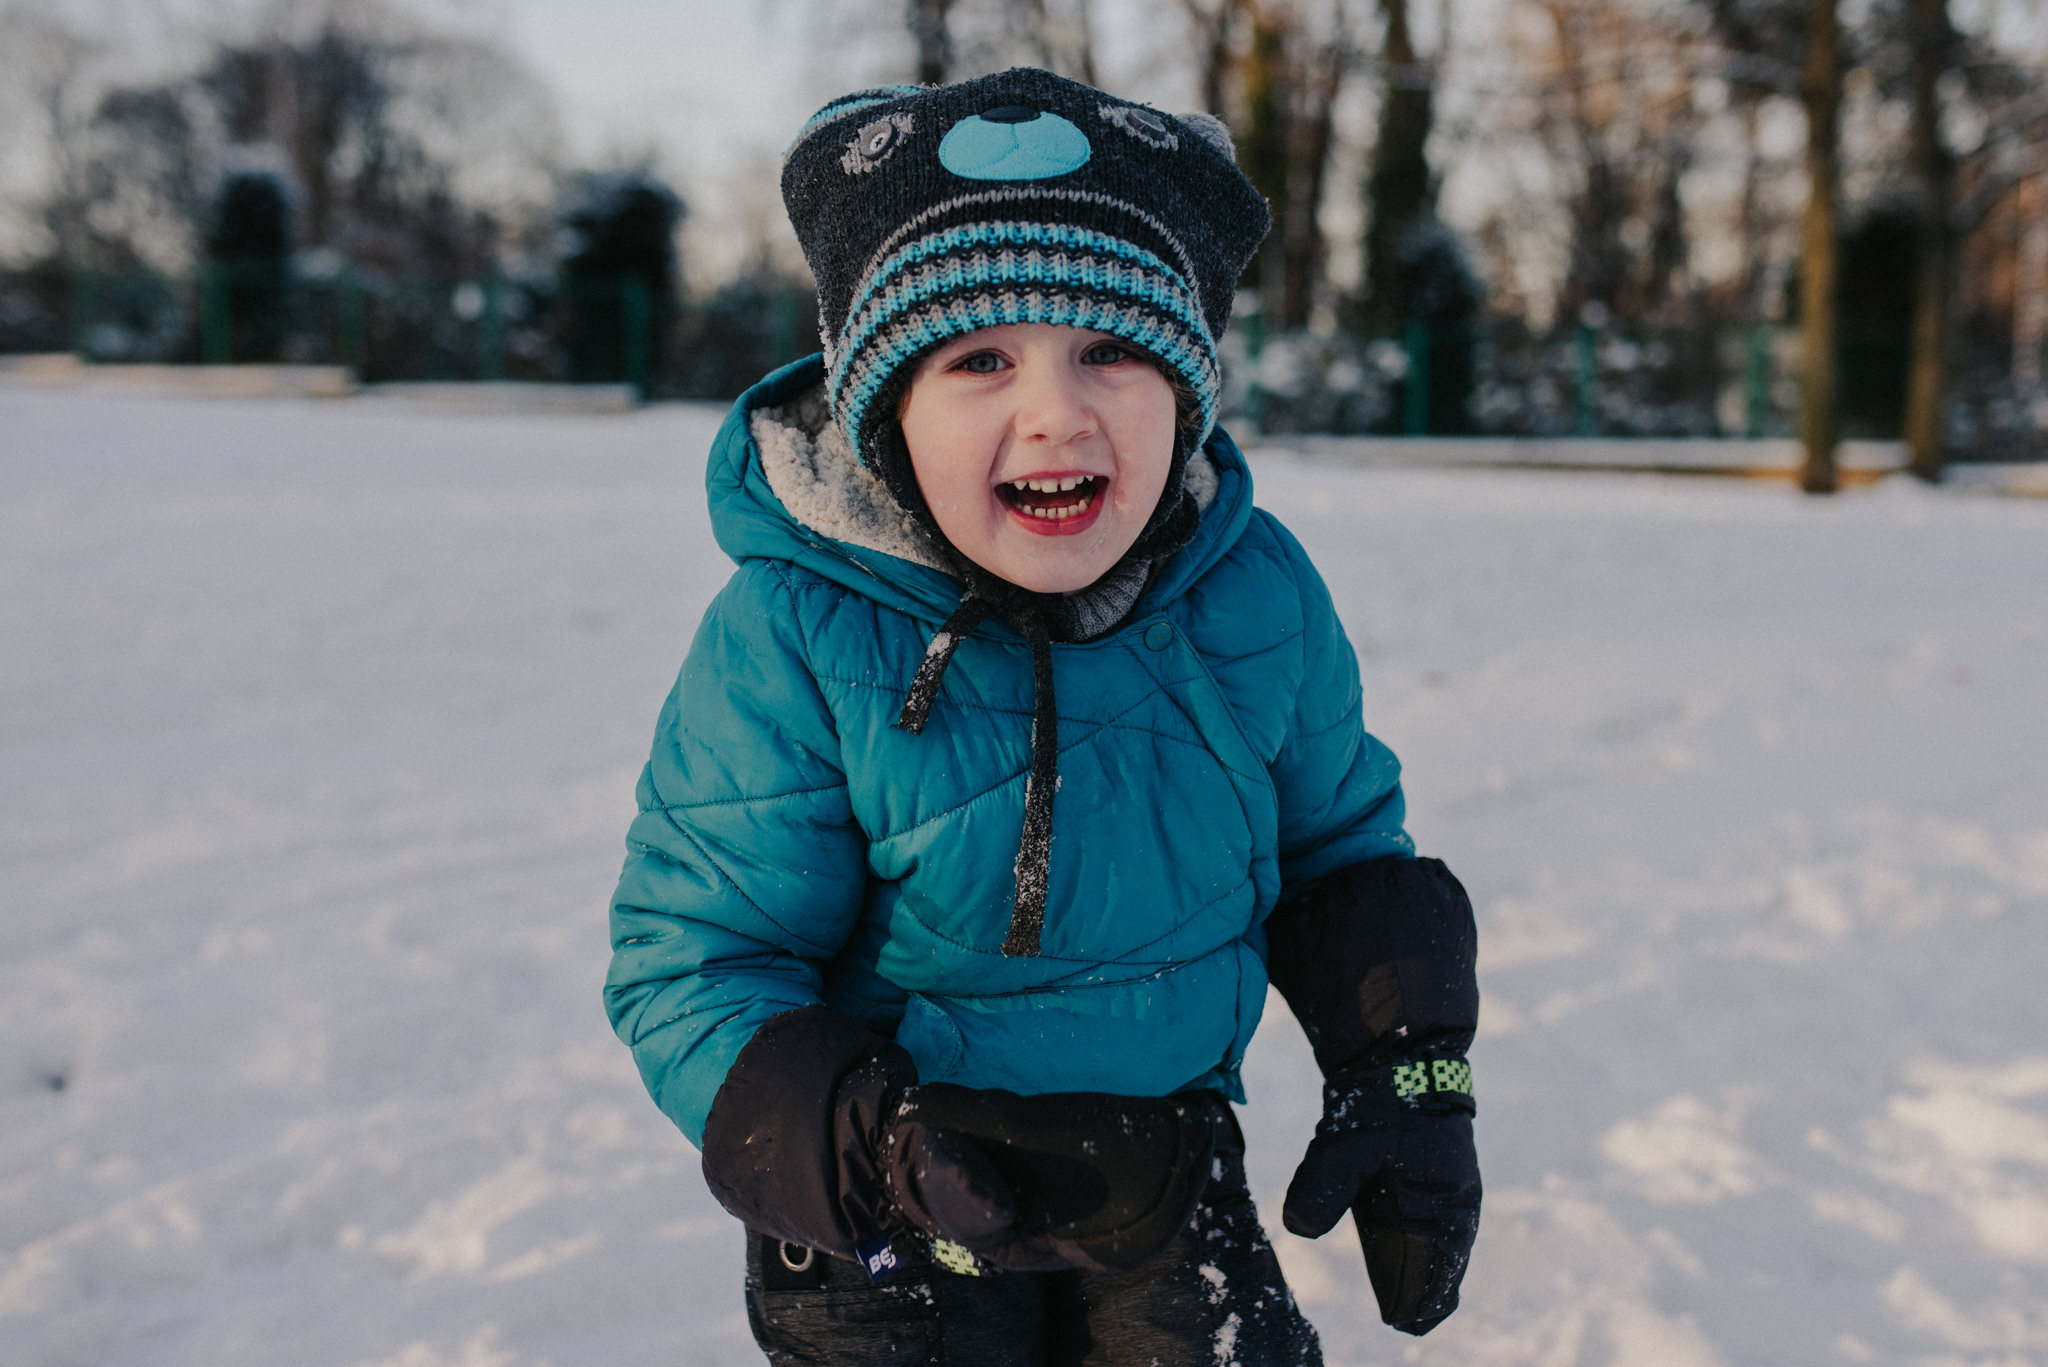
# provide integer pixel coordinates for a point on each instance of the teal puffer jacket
(793, 846)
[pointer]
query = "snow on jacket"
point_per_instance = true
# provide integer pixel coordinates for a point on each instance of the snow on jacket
(793, 846)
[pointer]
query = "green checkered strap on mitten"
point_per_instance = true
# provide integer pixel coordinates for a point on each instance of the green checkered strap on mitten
(1435, 1084)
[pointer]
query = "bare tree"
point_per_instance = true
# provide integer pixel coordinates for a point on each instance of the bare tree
(1274, 72)
(952, 40)
(1819, 247)
(1400, 187)
(2030, 291)
(930, 31)
(1935, 48)
(1060, 38)
(1321, 72)
(1214, 26)
(49, 73)
(1619, 117)
(407, 148)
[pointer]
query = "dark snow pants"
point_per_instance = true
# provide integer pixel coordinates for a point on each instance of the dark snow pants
(1214, 1297)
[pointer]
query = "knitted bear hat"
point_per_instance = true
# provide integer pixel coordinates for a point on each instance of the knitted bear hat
(1022, 197)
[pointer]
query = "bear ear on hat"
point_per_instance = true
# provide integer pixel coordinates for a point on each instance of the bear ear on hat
(1211, 130)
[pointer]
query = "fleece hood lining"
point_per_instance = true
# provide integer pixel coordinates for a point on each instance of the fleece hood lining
(824, 486)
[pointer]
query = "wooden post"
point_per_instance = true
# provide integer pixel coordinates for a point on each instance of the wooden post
(1819, 248)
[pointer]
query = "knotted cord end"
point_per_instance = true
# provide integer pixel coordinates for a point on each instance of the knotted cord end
(938, 653)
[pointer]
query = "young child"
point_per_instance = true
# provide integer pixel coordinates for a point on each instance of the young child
(1016, 759)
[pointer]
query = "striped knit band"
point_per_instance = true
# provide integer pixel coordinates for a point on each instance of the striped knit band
(986, 274)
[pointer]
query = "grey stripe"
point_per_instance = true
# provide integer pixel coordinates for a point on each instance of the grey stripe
(1036, 262)
(958, 311)
(1011, 194)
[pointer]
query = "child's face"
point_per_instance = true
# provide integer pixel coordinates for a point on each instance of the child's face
(1076, 411)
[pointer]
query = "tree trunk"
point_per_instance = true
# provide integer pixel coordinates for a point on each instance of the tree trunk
(1060, 43)
(1262, 147)
(1749, 218)
(1215, 30)
(2030, 291)
(1314, 128)
(934, 40)
(1933, 286)
(1399, 188)
(1822, 87)
(1664, 290)
(1084, 26)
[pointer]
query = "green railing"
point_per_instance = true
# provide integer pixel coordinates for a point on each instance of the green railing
(486, 328)
(1492, 376)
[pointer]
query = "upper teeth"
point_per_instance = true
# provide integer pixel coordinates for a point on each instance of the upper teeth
(1051, 486)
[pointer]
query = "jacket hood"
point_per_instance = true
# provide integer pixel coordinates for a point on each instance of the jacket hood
(784, 485)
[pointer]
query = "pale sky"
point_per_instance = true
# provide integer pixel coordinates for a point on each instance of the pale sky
(714, 90)
(700, 78)
(708, 89)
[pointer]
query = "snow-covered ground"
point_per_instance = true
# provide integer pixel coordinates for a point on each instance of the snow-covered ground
(318, 728)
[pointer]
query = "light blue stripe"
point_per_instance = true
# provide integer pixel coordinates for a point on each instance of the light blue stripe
(1011, 232)
(1157, 339)
(1176, 353)
(985, 312)
(956, 276)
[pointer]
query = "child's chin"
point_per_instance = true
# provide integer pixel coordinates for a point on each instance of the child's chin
(1054, 573)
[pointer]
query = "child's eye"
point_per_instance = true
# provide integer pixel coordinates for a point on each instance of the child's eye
(1105, 353)
(980, 363)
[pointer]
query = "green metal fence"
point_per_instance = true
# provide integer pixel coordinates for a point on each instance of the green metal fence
(486, 328)
(1495, 376)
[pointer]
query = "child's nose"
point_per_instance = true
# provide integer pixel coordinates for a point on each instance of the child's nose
(1052, 408)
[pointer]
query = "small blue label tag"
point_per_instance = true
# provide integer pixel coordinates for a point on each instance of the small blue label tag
(877, 1257)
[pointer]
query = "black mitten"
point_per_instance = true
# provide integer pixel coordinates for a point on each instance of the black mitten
(1408, 1173)
(820, 1137)
(1098, 1181)
(1378, 962)
(793, 1142)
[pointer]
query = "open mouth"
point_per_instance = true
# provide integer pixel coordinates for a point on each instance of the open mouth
(1054, 498)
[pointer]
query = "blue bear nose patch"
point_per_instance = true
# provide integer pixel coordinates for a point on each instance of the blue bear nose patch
(1013, 143)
